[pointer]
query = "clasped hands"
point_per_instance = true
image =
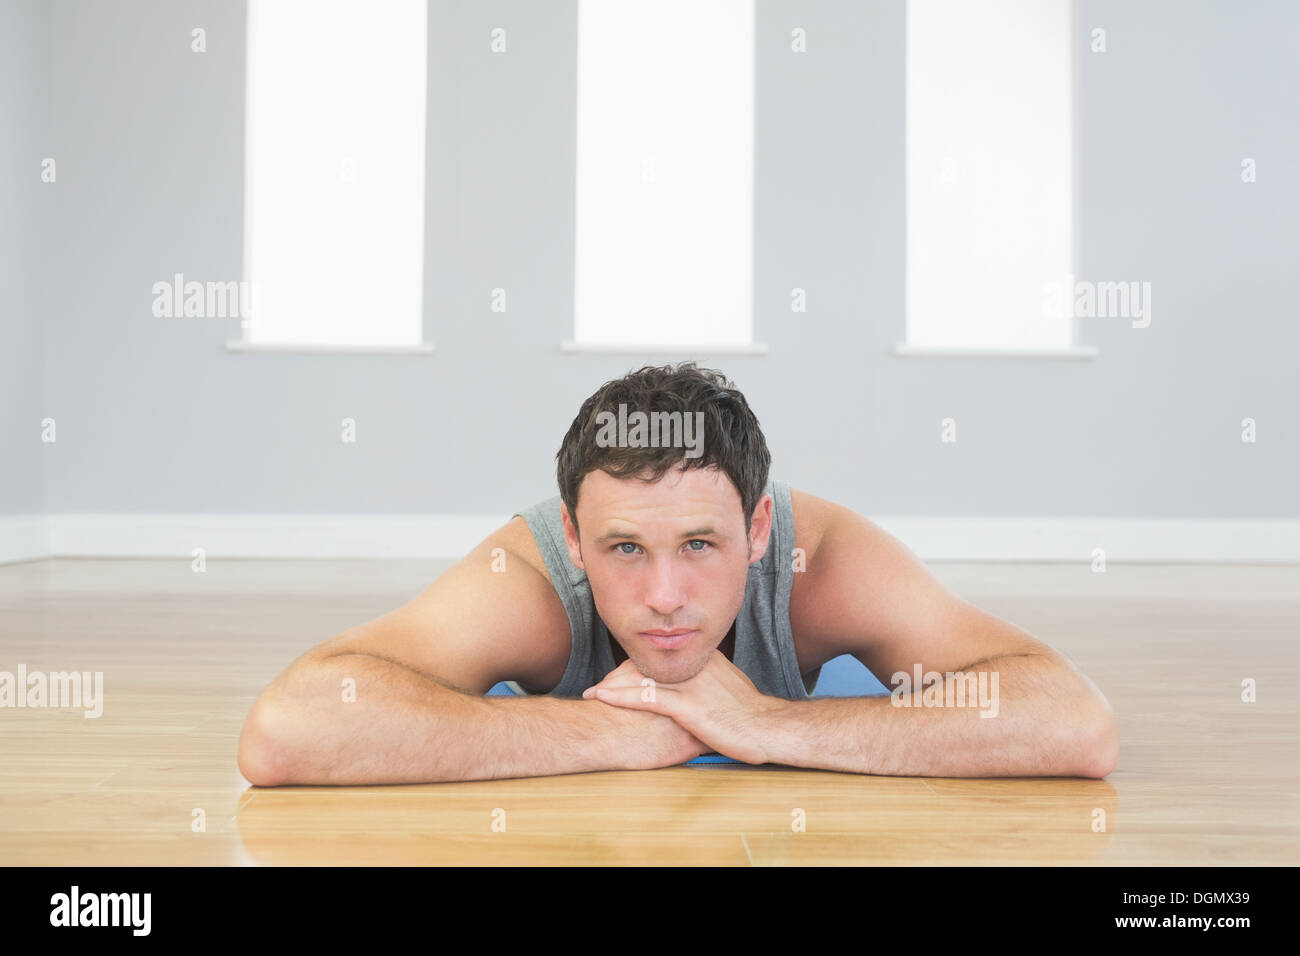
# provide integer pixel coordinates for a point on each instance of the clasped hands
(720, 706)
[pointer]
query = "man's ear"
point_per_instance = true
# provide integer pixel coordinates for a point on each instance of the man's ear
(760, 529)
(571, 538)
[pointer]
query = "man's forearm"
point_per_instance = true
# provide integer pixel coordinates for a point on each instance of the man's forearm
(403, 727)
(1049, 722)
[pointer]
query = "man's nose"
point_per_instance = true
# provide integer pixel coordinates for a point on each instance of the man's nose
(664, 590)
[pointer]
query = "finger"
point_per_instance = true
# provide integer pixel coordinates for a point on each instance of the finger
(611, 680)
(625, 675)
(637, 698)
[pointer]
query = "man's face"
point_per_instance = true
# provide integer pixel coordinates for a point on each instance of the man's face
(667, 556)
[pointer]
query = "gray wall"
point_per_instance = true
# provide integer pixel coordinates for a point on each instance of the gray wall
(24, 212)
(154, 415)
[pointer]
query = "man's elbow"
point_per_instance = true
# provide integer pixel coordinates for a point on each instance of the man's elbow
(1101, 752)
(260, 758)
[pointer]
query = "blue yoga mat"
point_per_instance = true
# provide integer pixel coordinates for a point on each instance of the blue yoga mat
(844, 676)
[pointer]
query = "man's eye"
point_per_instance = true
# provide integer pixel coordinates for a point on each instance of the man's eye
(628, 544)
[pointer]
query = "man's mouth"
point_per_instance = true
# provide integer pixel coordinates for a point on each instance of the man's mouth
(669, 638)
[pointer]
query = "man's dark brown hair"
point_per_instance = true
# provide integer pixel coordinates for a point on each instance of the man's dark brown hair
(733, 442)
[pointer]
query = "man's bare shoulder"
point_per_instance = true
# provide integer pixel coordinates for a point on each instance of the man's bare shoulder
(823, 526)
(475, 625)
(848, 560)
(517, 538)
(812, 517)
(551, 628)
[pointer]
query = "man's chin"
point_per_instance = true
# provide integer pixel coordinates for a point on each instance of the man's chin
(668, 668)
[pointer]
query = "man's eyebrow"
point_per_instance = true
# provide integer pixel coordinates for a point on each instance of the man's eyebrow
(632, 536)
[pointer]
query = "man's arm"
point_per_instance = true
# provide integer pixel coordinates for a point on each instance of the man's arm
(405, 727)
(399, 699)
(1044, 727)
(869, 596)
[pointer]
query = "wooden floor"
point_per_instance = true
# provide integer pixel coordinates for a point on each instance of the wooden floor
(1203, 778)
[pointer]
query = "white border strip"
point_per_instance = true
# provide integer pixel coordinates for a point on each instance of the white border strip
(1154, 540)
(22, 538)
(269, 536)
(449, 537)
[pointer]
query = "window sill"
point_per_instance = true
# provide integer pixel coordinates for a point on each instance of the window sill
(239, 345)
(933, 351)
(754, 348)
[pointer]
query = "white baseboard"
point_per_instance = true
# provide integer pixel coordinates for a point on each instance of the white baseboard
(269, 536)
(22, 538)
(1124, 540)
(446, 537)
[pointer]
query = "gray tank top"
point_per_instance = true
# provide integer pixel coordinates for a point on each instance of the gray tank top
(764, 642)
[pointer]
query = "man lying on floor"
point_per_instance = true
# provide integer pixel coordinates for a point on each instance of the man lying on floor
(674, 601)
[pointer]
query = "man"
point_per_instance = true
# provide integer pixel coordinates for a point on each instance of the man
(674, 601)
